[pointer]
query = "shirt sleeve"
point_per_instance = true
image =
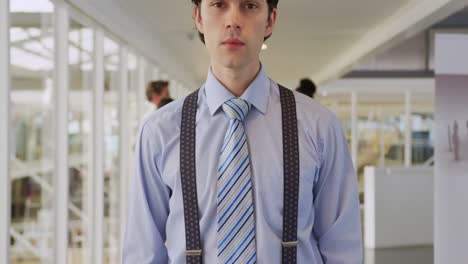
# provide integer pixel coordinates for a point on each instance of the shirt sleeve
(337, 225)
(148, 207)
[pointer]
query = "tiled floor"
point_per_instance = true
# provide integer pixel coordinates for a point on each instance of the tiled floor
(411, 255)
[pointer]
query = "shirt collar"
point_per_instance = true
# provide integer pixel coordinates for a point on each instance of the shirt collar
(256, 94)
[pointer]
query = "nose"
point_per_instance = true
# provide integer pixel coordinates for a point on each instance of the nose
(233, 20)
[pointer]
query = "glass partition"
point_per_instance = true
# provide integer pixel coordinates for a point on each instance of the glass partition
(80, 54)
(111, 150)
(32, 102)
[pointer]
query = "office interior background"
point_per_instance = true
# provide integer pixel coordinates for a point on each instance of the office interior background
(72, 96)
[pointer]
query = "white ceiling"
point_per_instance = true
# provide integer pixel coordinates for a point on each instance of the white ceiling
(313, 38)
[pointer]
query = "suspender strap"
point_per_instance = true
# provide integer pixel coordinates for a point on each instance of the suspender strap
(188, 177)
(291, 175)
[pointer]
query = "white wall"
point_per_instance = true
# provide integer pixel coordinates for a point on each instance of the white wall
(451, 169)
(398, 207)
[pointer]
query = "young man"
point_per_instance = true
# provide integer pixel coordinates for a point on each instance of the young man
(242, 170)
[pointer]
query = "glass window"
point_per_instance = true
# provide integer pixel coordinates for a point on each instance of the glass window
(422, 118)
(111, 151)
(149, 76)
(381, 126)
(133, 123)
(80, 56)
(133, 96)
(340, 104)
(32, 89)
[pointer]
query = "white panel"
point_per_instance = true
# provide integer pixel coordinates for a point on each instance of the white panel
(398, 207)
(451, 165)
(369, 207)
(448, 48)
(97, 199)
(5, 190)
(124, 139)
(61, 139)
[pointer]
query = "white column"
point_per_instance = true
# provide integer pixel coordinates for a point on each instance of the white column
(124, 142)
(97, 199)
(408, 129)
(141, 82)
(451, 165)
(5, 185)
(61, 134)
(381, 139)
(354, 128)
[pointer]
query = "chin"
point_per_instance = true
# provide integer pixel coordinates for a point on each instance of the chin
(232, 63)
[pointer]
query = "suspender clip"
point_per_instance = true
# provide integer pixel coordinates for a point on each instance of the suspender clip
(289, 244)
(195, 252)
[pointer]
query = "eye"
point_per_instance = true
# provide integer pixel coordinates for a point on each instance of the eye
(218, 4)
(251, 6)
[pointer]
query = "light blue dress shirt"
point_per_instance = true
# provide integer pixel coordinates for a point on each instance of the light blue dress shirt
(329, 229)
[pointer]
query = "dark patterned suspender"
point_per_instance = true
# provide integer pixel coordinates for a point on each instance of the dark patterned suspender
(189, 183)
(291, 177)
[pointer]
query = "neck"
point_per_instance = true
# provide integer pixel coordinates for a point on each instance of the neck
(156, 101)
(236, 80)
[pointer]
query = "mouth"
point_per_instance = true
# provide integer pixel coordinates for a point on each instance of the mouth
(233, 43)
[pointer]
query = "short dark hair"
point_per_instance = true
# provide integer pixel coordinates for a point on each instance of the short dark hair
(307, 87)
(156, 87)
(272, 4)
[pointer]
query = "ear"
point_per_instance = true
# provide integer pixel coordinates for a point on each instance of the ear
(271, 23)
(198, 19)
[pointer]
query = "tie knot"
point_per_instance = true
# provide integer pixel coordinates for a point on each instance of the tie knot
(236, 108)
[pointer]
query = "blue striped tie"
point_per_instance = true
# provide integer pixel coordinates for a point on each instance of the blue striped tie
(235, 211)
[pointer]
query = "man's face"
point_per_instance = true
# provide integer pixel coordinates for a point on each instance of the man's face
(234, 30)
(165, 93)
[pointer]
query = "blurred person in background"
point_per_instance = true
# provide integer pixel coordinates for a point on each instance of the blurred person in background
(307, 87)
(157, 91)
(165, 101)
